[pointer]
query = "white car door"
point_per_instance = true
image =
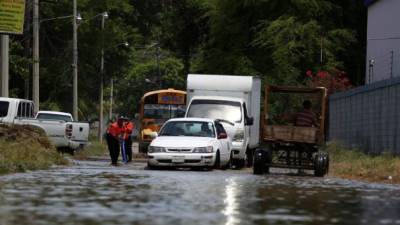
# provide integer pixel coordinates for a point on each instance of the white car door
(223, 138)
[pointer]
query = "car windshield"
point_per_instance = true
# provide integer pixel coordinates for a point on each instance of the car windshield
(188, 128)
(48, 116)
(4, 108)
(216, 109)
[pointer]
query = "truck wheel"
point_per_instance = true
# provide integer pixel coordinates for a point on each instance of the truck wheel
(326, 156)
(249, 157)
(238, 163)
(260, 158)
(321, 164)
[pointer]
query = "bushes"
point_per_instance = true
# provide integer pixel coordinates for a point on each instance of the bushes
(26, 148)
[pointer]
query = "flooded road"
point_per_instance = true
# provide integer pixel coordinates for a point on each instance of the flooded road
(92, 192)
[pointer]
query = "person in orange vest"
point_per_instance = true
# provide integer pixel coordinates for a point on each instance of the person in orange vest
(128, 128)
(113, 136)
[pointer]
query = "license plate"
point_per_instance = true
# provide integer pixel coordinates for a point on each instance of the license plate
(178, 159)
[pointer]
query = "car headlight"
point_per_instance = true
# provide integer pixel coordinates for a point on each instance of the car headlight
(155, 149)
(239, 136)
(208, 149)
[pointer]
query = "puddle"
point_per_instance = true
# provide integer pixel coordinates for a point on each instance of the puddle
(95, 193)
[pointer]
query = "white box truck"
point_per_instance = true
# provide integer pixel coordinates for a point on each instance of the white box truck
(235, 101)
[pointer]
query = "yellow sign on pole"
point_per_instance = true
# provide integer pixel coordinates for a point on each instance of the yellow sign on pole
(12, 15)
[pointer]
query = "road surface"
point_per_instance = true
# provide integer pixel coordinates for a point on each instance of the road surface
(93, 192)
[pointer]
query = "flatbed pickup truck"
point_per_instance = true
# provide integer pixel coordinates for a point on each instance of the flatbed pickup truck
(63, 134)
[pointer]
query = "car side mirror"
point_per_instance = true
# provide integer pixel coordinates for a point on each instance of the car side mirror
(222, 136)
(249, 121)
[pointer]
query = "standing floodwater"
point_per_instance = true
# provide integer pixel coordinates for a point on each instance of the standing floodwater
(95, 193)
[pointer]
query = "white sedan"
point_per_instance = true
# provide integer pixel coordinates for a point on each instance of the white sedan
(190, 142)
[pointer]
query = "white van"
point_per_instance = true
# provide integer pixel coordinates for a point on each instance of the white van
(235, 101)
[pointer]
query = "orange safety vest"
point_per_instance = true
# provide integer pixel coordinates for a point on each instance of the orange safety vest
(115, 130)
(128, 127)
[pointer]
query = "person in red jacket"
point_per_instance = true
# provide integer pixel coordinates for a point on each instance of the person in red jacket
(114, 134)
(128, 128)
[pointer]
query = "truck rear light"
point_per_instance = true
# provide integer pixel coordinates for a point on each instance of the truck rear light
(68, 131)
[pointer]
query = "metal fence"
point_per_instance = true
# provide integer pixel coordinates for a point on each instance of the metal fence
(367, 117)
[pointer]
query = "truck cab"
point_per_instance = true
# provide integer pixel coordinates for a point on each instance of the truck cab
(235, 102)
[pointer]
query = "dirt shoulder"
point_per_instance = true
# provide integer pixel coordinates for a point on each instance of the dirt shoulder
(24, 148)
(355, 165)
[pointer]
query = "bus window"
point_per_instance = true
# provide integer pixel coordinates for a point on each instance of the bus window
(178, 111)
(153, 111)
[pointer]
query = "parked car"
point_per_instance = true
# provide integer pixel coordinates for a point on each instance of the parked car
(62, 134)
(191, 142)
(232, 98)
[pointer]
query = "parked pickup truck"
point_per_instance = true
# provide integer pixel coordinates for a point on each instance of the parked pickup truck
(64, 134)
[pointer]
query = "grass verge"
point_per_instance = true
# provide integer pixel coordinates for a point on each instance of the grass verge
(356, 165)
(95, 148)
(25, 148)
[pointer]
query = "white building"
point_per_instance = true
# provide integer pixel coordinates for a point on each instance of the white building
(383, 40)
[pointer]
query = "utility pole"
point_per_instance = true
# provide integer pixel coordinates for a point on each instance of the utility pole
(111, 97)
(35, 69)
(4, 46)
(321, 51)
(75, 63)
(158, 64)
(101, 81)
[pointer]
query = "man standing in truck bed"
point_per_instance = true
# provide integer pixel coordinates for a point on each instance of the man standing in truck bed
(306, 117)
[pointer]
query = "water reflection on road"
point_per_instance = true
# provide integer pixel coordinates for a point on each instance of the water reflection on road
(92, 192)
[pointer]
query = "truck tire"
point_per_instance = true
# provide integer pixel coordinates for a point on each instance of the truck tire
(238, 164)
(260, 159)
(249, 157)
(321, 164)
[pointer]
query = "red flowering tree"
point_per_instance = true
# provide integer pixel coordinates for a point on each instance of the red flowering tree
(334, 81)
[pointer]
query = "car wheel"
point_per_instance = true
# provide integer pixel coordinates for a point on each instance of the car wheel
(142, 147)
(228, 165)
(150, 167)
(217, 164)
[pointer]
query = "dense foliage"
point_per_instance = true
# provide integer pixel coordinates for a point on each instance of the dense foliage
(277, 40)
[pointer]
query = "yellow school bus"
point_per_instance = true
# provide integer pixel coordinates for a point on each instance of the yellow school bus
(156, 107)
